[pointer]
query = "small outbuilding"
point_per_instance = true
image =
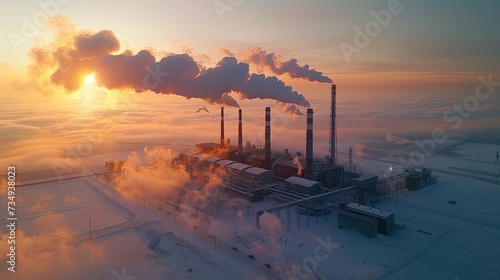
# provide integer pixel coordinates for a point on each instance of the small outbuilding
(385, 220)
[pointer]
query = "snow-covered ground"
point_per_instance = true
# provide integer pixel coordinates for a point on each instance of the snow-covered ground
(134, 238)
(127, 240)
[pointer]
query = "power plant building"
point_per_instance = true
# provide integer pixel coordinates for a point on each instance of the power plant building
(246, 180)
(361, 217)
(303, 186)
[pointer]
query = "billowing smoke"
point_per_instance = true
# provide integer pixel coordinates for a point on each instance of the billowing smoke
(396, 139)
(296, 161)
(268, 246)
(288, 108)
(270, 223)
(154, 176)
(227, 100)
(202, 108)
(177, 74)
(76, 62)
(273, 62)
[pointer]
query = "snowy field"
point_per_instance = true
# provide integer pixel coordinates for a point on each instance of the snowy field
(134, 238)
(127, 240)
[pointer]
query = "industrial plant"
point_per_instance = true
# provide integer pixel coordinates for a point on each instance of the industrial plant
(323, 186)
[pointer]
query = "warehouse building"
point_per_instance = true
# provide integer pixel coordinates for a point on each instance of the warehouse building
(303, 186)
(360, 217)
(367, 226)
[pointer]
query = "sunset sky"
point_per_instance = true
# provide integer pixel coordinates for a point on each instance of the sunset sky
(424, 48)
(427, 42)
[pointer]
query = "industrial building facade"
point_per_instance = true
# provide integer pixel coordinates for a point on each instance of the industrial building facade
(367, 220)
(246, 180)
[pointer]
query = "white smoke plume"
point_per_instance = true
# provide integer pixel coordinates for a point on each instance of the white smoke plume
(270, 223)
(290, 109)
(268, 246)
(155, 175)
(296, 161)
(82, 52)
(227, 100)
(396, 139)
(273, 62)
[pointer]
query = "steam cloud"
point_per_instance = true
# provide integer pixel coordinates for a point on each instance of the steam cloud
(272, 61)
(227, 100)
(296, 161)
(288, 108)
(396, 139)
(154, 176)
(76, 62)
(179, 74)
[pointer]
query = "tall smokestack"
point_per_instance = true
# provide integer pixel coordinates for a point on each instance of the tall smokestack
(333, 127)
(350, 159)
(222, 127)
(267, 145)
(309, 143)
(240, 136)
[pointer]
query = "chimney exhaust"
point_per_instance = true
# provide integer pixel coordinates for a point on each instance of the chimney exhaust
(350, 159)
(267, 145)
(309, 143)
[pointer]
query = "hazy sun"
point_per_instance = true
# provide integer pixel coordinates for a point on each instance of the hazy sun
(90, 79)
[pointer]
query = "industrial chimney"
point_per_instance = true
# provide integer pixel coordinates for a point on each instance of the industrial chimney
(333, 127)
(267, 144)
(222, 127)
(309, 144)
(350, 159)
(240, 137)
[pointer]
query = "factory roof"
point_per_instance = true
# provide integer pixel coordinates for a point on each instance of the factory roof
(190, 153)
(301, 181)
(368, 210)
(225, 162)
(365, 177)
(213, 159)
(256, 170)
(238, 165)
(200, 156)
